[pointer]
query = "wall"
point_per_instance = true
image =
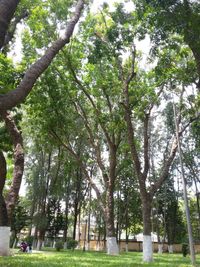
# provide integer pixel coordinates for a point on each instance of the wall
(134, 246)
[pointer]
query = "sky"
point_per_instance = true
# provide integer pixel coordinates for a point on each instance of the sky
(97, 3)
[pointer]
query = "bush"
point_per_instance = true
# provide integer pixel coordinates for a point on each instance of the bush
(59, 245)
(185, 249)
(71, 244)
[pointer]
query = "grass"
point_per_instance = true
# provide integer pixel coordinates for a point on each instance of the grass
(91, 259)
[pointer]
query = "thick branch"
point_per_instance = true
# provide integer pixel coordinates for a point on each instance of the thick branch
(12, 29)
(7, 10)
(16, 96)
(165, 170)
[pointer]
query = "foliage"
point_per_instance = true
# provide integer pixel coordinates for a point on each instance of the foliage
(20, 218)
(185, 249)
(29, 240)
(59, 245)
(40, 221)
(72, 244)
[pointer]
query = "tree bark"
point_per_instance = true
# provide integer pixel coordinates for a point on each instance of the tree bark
(146, 214)
(3, 210)
(17, 141)
(7, 10)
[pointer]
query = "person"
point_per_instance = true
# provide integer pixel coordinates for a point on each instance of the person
(29, 248)
(23, 246)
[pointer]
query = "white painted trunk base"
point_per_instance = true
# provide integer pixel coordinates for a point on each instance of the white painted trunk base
(87, 246)
(170, 249)
(112, 247)
(39, 244)
(65, 245)
(160, 248)
(4, 241)
(126, 247)
(147, 249)
(98, 246)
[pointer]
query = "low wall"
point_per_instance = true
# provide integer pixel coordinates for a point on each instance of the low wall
(133, 246)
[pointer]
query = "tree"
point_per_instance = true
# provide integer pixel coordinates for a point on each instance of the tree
(161, 19)
(16, 96)
(10, 99)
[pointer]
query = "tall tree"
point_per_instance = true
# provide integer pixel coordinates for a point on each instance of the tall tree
(10, 99)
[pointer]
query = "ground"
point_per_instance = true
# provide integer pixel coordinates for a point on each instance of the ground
(91, 259)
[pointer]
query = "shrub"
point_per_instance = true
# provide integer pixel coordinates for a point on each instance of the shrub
(71, 244)
(59, 245)
(185, 249)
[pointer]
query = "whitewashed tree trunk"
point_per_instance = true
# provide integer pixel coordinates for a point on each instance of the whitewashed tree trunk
(39, 244)
(65, 245)
(147, 248)
(170, 249)
(160, 248)
(112, 247)
(98, 246)
(4, 241)
(126, 247)
(87, 246)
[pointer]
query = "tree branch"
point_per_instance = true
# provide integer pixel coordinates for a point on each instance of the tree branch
(84, 169)
(7, 10)
(16, 96)
(11, 31)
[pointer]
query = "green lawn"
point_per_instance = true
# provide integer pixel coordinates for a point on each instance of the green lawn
(91, 259)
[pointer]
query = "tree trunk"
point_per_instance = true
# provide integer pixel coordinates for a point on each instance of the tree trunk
(13, 237)
(40, 240)
(66, 221)
(75, 219)
(17, 141)
(160, 245)
(112, 247)
(89, 211)
(4, 241)
(3, 172)
(147, 242)
(4, 229)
